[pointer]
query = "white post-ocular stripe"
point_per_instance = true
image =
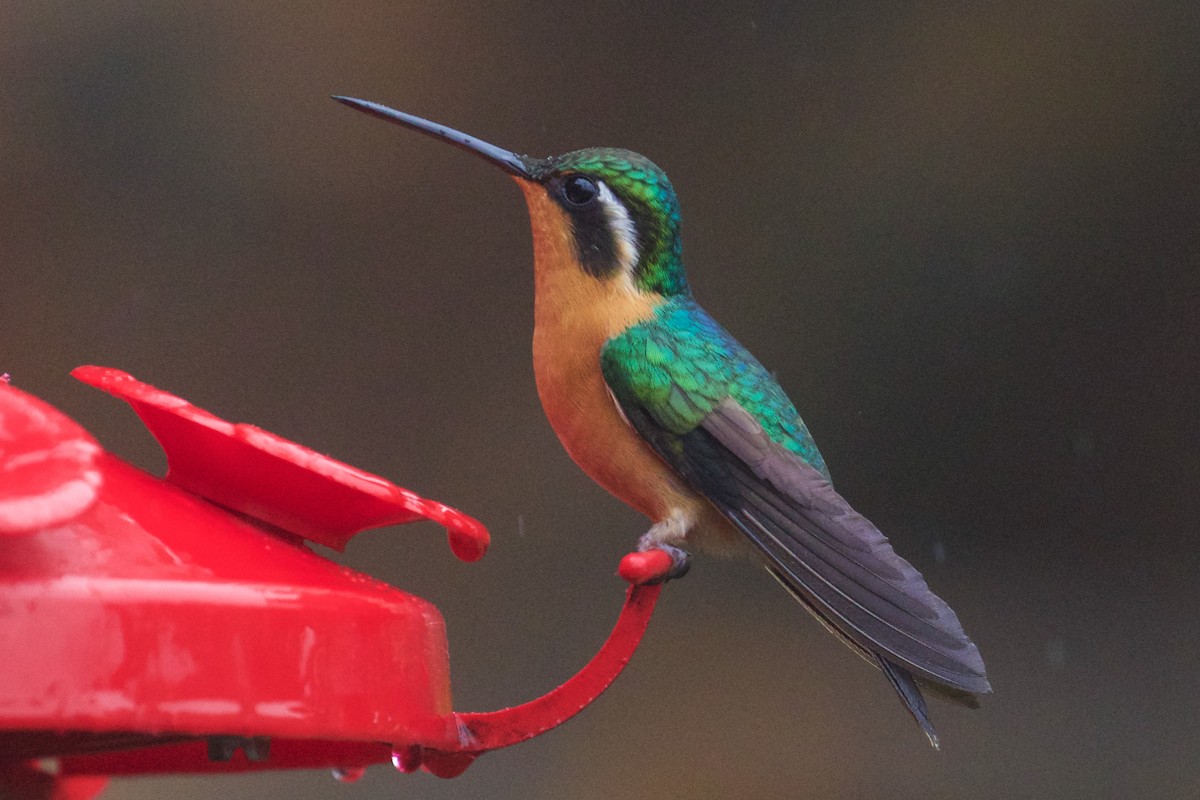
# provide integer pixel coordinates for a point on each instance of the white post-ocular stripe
(622, 225)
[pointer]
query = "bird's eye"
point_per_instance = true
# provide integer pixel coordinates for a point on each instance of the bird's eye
(580, 190)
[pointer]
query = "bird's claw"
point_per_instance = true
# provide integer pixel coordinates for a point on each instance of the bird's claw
(681, 561)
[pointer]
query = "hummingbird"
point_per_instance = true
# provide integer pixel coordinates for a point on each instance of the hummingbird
(662, 407)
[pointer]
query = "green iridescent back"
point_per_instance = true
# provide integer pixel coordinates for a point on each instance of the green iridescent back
(648, 195)
(680, 364)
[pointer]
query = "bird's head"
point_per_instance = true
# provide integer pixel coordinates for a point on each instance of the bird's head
(609, 213)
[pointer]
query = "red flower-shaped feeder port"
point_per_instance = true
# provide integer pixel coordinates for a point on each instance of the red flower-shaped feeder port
(182, 624)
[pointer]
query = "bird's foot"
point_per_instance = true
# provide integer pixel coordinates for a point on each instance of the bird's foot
(681, 561)
(658, 557)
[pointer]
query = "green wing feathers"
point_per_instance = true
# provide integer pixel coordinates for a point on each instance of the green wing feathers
(680, 365)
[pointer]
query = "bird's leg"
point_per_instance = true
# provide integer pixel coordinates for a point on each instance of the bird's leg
(667, 535)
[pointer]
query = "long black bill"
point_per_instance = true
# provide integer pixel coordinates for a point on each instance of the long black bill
(509, 161)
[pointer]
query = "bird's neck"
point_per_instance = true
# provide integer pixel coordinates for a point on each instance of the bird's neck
(579, 310)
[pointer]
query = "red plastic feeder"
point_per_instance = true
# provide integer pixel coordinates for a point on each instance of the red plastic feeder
(183, 625)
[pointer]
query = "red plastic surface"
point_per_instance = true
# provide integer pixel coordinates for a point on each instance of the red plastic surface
(155, 611)
(275, 480)
(142, 625)
(148, 612)
(47, 465)
(646, 566)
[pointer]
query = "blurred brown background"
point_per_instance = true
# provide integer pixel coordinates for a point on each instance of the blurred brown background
(965, 238)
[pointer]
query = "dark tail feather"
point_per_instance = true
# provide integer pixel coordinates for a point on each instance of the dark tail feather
(900, 678)
(902, 681)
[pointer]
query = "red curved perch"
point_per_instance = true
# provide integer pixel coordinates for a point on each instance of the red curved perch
(496, 729)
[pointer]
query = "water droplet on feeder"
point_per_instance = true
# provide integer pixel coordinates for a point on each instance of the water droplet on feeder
(407, 758)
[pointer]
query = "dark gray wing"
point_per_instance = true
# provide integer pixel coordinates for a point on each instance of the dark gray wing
(830, 557)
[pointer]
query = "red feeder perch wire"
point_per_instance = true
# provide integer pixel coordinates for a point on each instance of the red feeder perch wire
(182, 624)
